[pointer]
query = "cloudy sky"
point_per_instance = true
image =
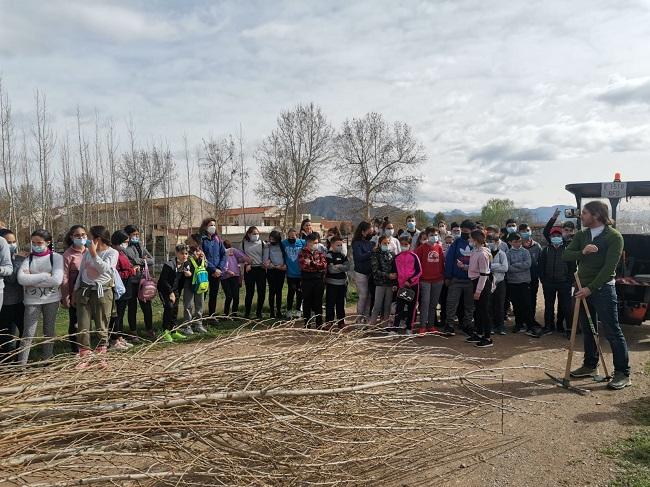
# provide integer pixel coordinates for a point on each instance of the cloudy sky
(510, 99)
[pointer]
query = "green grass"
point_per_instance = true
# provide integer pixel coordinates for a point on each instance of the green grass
(633, 454)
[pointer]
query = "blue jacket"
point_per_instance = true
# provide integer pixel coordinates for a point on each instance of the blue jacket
(291, 252)
(215, 253)
(361, 253)
(459, 250)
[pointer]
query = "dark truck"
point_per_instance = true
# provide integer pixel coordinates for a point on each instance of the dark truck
(629, 203)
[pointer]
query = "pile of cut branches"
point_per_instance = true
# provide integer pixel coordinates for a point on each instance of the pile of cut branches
(282, 406)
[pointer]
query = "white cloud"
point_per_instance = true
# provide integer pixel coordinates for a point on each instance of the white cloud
(626, 91)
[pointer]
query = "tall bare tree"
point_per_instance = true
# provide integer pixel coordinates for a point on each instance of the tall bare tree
(378, 162)
(219, 166)
(44, 144)
(111, 151)
(27, 193)
(67, 180)
(188, 209)
(243, 175)
(294, 156)
(85, 180)
(7, 158)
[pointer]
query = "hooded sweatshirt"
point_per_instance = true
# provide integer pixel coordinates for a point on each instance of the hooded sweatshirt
(459, 250)
(408, 268)
(432, 259)
(291, 253)
(499, 266)
(519, 263)
(41, 279)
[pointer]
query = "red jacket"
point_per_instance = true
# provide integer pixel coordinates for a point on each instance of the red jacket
(316, 266)
(432, 259)
(124, 267)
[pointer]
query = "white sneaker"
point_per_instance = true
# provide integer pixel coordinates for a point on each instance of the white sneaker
(117, 346)
(125, 343)
(200, 328)
(187, 330)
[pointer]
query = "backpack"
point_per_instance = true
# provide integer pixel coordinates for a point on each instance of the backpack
(200, 278)
(147, 289)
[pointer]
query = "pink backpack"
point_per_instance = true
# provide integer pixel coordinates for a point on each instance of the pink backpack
(147, 290)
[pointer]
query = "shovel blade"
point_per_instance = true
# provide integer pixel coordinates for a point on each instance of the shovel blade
(565, 384)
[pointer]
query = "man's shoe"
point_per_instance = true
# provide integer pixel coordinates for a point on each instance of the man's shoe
(449, 331)
(584, 372)
(484, 343)
(620, 381)
(474, 338)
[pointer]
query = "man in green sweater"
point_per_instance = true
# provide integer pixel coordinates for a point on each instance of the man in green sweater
(597, 249)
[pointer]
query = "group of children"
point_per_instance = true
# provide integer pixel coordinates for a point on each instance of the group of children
(472, 272)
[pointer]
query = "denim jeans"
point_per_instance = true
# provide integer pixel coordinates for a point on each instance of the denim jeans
(603, 305)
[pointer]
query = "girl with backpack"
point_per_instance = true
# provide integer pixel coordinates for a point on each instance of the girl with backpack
(384, 273)
(409, 270)
(169, 285)
(139, 258)
(41, 275)
(75, 239)
(120, 241)
(94, 291)
(215, 259)
(195, 286)
(231, 278)
(275, 271)
(255, 275)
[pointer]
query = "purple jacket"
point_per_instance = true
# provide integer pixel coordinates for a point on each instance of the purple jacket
(233, 261)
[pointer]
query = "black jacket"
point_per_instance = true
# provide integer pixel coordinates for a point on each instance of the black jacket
(552, 268)
(171, 279)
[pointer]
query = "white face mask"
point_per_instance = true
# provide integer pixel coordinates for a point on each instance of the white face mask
(212, 229)
(405, 249)
(254, 237)
(314, 247)
(124, 245)
(389, 232)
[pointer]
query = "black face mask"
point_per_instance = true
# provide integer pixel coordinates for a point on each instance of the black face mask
(291, 240)
(464, 236)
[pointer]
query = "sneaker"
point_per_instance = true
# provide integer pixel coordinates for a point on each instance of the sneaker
(620, 381)
(500, 330)
(584, 372)
(125, 343)
(516, 329)
(547, 331)
(436, 330)
(177, 336)
(422, 331)
(200, 328)
(167, 337)
(187, 330)
(535, 332)
(449, 331)
(484, 343)
(134, 339)
(118, 346)
(473, 338)
(468, 331)
(83, 357)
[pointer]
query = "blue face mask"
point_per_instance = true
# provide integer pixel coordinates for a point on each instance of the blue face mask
(410, 226)
(434, 239)
(385, 248)
(511, 229)
(557, 240)
(79, 242)
(525, 235)
(135, 240)
(38, 249)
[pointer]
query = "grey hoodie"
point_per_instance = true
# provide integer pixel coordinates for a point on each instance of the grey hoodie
(6, 266)
(519, 263)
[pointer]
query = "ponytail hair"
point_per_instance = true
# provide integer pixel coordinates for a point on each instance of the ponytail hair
(100, 232)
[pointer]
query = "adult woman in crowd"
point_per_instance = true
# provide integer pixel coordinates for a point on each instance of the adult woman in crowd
(255, 276)
(138, 256)
(215, 257)
(75, 241)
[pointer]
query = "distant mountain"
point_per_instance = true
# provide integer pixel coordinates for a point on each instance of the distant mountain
(340, 208)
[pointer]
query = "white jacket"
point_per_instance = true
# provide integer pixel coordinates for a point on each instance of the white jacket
(41, 280)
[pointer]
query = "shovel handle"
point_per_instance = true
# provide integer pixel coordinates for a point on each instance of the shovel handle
(572, 341)
(592, 325)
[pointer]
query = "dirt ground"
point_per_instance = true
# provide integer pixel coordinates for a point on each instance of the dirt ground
(560, 440)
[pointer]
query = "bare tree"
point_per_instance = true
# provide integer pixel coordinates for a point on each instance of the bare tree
(85, 180)
(111, 151)
(100, 195)
(44, 140)
(27, 192)
(293, 157)
(218, 167)
(7, 157)
(68, 181)
(378, 162)
(188, 209)
(243, 175)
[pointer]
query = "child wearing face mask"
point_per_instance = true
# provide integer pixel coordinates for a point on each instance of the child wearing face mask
(40, 275)
(231, 277)
(120, 241)
(409, 270)
(384, 276)
(75, 239)
(12, 310)
(255, 276)
(292, 246)
(338, 266)
(388, 230)
(215, 260)
(432, 279)
(313, 264)
(138, 256)
(276, 269)
(499, 268)
(411, 231)
(535, 250)
(518, 276)
(557, 280)
(482, 280)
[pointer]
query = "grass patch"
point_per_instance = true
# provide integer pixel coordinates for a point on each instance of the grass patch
(633, 454)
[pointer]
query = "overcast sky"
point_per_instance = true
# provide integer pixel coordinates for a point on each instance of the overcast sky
(510, 99)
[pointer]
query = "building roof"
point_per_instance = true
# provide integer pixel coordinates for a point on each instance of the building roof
(253, 210)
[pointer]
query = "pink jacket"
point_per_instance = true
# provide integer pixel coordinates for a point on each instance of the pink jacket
(71, 262)
(479, 266)
(408, 268)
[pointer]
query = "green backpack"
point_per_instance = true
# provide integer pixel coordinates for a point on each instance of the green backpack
(200, 278)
